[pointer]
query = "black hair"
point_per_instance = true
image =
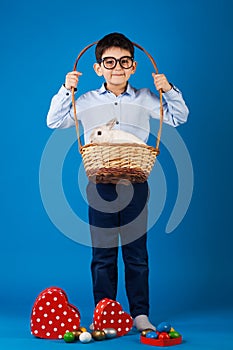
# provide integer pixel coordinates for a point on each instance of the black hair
(113, 40)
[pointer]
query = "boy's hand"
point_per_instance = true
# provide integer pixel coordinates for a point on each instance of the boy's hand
(72, 79)
(161, 82)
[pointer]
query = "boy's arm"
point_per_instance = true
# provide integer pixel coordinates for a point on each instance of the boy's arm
(174, 108)
(59, 115)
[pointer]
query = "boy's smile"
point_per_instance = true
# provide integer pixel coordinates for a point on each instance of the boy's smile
(116, 78)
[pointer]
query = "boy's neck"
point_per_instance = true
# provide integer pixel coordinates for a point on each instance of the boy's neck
(116, 90)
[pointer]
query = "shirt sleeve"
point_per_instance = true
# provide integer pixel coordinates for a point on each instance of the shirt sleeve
(175, 111)
(60, 112)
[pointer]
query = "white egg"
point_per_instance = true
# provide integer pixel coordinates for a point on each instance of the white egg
(85, 337)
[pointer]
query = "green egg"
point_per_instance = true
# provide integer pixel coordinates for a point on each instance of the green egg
(69, 337)
(174, 335)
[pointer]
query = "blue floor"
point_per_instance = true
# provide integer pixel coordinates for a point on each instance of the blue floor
(209, 330)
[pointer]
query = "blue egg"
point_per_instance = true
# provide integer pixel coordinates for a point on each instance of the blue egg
(152, 335)
(164, 327)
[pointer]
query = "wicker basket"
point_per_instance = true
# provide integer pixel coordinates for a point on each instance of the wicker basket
(112, 162)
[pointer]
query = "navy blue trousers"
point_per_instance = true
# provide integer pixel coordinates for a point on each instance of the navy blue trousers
(118, 217)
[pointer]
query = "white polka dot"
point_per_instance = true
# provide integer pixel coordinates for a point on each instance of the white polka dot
(48, 303)
(65, 313)
(50, 322)
(97, 311)
(55, 298)
(62, 324)
(74, 327)
(69, 319)
(127, 329)
(55, 329)
(34, 313)
(43, 327)
(112, 312)
(43, 296)
(113, 304)
(105, 312)
(60, 306)
(104, 321)
(40, 308)
(127, 321)
(48, 334)
(60, 336)
(120, 312)
(38, 320)
(77, 315)
(119, 321)
(57, 317)
(112, 321)
(52, 310)
(119, 329)
(36, 332)
(45, 315)
(102, 306)
(49, 292)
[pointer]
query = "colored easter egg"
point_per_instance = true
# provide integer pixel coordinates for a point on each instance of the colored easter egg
(98, 334)
(69, 337)
(76, 334)
(85, 337)
(145, 331)
(82, 329)
(110, 332)
(152, 335)
(172, 329)
(174, 335)
(163, 335)
(164, 327)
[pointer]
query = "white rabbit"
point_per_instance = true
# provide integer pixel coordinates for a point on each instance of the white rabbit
(104, 133)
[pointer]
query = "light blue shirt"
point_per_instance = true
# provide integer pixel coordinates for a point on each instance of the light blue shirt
(132, 110)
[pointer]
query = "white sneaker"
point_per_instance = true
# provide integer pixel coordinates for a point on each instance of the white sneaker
(142, 322)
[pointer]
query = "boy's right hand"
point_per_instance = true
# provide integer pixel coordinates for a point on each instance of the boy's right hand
(72, 79)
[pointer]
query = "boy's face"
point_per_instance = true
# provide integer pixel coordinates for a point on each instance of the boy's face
(118, 76)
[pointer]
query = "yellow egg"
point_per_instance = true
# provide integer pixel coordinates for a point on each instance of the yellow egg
(145, 331)
(82, 329)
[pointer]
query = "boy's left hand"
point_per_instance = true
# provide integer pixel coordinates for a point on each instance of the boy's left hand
(161, 82)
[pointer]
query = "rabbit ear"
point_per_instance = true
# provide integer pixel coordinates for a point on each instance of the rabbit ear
(111, 123)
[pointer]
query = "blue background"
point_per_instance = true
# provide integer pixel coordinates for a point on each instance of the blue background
(191, 274)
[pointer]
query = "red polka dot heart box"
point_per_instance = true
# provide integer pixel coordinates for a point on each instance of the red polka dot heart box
(52, 315)
(109, 314)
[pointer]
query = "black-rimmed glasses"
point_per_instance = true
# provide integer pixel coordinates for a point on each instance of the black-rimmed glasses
(125, 62)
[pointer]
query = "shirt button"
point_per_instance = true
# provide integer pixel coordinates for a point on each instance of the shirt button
(67, 94)
(115, 103)
(117, 122)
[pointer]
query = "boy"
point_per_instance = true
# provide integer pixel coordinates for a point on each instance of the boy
(111, 213)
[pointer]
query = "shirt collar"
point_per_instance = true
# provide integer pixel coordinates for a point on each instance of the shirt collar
(129, 90)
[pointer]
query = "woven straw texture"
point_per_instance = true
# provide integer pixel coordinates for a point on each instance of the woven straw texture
(109, 163)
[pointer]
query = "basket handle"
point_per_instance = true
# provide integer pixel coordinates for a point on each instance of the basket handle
(160, 94)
